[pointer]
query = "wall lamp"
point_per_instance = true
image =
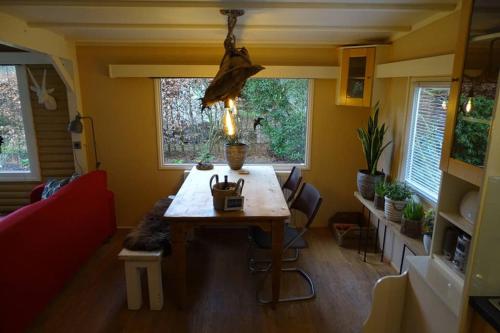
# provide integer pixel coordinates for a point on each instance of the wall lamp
(76, 126)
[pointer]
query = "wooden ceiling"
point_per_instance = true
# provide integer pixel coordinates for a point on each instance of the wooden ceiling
(323, 22)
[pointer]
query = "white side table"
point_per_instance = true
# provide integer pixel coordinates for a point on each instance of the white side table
(151, 261)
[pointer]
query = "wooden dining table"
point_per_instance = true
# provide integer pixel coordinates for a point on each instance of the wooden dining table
(264, 206)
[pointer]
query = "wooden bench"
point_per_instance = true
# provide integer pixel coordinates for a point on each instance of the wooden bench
(151, 261)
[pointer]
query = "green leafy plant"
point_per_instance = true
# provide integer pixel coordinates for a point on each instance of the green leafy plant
(372, 140)
(413, 211)
(428, 222)
(398, 192)
(381, 188)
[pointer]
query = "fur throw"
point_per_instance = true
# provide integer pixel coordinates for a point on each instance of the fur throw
(152, 233)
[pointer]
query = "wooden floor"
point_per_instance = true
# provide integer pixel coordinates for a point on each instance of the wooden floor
(222, 292)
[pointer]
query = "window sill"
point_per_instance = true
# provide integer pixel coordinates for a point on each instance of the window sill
(277, 167)
(19, 177)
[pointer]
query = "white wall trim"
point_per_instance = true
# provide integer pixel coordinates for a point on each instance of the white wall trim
(429, 66)
(154, 71)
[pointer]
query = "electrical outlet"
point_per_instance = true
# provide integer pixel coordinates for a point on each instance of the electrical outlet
(77, 145)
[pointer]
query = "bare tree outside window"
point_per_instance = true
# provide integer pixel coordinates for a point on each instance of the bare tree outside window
(14, 156)
(271, 118)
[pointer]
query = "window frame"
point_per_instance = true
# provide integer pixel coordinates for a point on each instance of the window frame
(278, 166)
(410, 118)
(29, 131)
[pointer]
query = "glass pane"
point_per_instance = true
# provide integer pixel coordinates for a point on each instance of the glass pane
(14, 156)
(356, 77)
(426, 139)
(479, 86)
(271, 117)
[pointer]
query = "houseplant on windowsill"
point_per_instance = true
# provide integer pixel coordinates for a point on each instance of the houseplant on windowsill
(235, 151)
(396, 197)
(380, 192)
(372, 140)
(428, 228)
(411, 223)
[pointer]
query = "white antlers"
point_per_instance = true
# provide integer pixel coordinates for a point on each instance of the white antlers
(42, 92)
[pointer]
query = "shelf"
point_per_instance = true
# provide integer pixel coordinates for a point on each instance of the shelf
(415, 244)
(458, 221)
(448, 266)
(440, 281)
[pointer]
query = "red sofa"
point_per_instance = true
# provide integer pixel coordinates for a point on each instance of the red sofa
(44, 244)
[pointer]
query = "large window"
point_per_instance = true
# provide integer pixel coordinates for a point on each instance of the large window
(18, 160)
(426, 132)
(272, 118)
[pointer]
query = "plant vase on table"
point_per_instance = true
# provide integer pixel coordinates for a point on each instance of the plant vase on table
(428, 228)
(396, 197)
(372, 140)
(411, 223)
(380, 192)
(235, 151)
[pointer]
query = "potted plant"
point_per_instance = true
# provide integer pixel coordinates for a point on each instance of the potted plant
(372, 140)
(396, 197)
(380, 191)
(235, 151)
(428, 228)
(411, 223)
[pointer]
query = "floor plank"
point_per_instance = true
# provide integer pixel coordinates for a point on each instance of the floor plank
(222, 292)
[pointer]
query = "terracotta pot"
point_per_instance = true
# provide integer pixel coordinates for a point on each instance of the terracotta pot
(393, 210)
(235, 155)
(366, 183)
(379, 202)
(411, 228)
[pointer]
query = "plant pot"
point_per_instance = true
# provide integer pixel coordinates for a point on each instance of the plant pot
(379, 202)
(366, 183)
(393, 210)
(411, 228)
(235, 155)
(427, 243)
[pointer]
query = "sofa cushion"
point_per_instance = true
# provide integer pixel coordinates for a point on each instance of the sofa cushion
(53, 186)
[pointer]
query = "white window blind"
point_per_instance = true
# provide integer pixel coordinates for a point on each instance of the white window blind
(425, 139)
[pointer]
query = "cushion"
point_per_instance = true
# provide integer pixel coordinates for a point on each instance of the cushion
(152, 233)
(52, 186)
(263, 239)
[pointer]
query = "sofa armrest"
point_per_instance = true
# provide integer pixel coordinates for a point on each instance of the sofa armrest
(36, 193)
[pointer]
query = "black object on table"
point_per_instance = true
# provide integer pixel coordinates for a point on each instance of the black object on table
(483, 306)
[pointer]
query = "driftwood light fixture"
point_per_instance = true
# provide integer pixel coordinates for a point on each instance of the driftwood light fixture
(234, 69)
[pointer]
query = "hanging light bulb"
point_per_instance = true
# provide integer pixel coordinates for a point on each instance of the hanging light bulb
(468, 105)
(228, 121)
(444, 105)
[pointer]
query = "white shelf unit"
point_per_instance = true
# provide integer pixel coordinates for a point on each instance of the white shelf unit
(458, 221)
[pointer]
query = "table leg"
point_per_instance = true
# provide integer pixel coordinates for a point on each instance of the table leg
(383, 244)
(277, 251)
(375, 248)
(178, 237)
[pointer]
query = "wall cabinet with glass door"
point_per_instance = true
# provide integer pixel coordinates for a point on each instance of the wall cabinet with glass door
(356, 76)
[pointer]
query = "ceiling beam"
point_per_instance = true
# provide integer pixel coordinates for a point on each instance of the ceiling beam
(222, 27)
(246, 4)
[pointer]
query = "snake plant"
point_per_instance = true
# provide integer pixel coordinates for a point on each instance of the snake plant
(372, 140)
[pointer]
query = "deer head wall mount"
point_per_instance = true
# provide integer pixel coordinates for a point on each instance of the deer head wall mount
(43, 94)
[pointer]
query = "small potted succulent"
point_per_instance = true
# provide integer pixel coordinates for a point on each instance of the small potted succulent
(396, 197)
(411, 223)
(372, 140)
(380, 192)
(428, 228)
(235, 151)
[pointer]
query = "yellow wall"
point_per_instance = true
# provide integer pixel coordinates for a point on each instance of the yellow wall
(437, 38)
(124, 114)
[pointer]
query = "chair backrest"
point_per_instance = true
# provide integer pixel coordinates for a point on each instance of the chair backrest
(292, 183)
(308, 202)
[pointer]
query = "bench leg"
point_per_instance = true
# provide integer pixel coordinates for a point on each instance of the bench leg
(133, 279)
(155, 285)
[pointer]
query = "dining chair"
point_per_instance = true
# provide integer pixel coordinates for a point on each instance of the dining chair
(292, 183)
(307, 202)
